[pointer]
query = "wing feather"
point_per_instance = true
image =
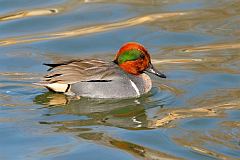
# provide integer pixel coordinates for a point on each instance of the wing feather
(69, 72)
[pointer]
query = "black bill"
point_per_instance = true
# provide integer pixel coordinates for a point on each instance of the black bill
(153, 70)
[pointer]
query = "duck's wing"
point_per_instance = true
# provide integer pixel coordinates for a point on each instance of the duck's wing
(66, 73)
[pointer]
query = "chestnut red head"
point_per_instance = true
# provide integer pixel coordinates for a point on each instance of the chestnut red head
(134, 58)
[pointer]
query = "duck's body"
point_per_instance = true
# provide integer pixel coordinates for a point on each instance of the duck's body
(100, 79)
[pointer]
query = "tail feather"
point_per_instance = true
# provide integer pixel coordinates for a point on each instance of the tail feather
(56, 87)
(51, 65)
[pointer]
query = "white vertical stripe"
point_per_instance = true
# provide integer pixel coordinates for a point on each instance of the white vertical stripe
(135, 87)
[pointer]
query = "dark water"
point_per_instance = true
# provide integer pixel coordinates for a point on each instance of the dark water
(193, 114)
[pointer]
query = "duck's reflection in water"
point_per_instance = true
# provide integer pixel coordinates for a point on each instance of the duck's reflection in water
(129, 114)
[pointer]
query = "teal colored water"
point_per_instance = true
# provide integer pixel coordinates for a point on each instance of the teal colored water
(193, 114)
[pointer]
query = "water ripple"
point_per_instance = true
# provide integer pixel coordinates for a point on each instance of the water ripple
(89, 30)
(24, 14)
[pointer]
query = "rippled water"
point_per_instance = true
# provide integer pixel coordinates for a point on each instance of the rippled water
(193, 114)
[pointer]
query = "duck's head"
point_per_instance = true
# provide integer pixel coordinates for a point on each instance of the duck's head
(134, 58)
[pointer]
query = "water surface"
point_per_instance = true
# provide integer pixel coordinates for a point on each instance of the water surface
(193, 114)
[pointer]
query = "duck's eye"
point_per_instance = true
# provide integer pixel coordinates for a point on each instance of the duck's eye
(142, 56)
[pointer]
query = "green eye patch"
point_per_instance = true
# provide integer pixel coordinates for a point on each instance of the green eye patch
(129, 55)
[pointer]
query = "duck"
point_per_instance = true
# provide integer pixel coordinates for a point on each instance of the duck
(127, 76)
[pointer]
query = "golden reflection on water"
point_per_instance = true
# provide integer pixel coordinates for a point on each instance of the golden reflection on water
(210, 105)
(46, 11)
(207, 111)
(221, 137)
(155, 61)
(24, 14)
(212, 58)
(189, 19)
(140, 151)
(212, 47)
(90, 29)
(95, 29)
(106, 140)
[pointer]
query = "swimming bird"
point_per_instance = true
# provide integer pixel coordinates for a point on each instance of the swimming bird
(124, 77)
